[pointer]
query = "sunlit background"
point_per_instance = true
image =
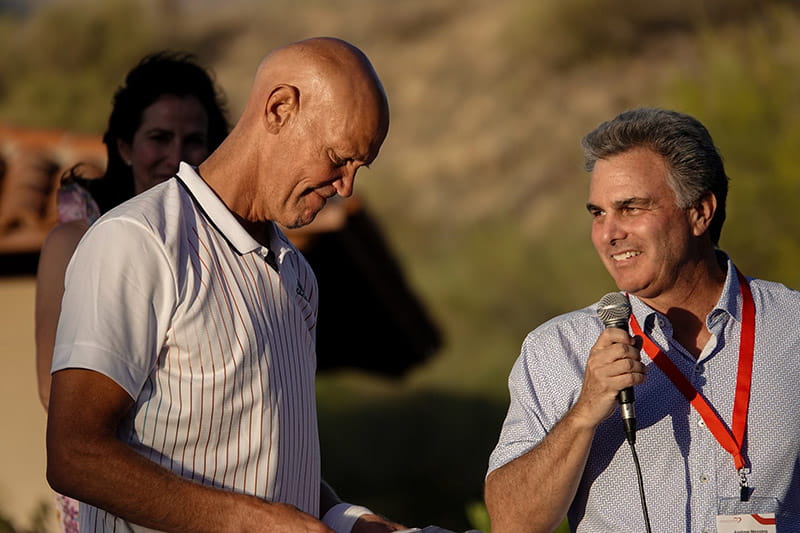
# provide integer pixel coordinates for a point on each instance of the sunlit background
(478, 189)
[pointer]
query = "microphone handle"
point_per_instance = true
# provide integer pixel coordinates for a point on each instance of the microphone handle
(625, 396)
(628, 412)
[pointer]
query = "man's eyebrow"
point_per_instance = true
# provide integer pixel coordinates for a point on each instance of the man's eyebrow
(619, 204)
(634, 200)
(623, 203)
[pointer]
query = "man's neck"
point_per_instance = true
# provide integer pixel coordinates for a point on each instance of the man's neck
(230, 178)
(260, 231)
(689, 304)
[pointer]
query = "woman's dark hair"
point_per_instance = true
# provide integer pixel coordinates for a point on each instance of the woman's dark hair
(174, 73)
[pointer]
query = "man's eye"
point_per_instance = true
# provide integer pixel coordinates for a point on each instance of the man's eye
(337, 161)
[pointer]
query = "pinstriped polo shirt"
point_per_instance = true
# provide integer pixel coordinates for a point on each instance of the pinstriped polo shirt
(171, 298)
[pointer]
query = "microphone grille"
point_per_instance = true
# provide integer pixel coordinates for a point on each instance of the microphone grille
(613, 309)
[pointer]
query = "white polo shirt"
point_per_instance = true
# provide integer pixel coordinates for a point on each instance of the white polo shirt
(171, 298)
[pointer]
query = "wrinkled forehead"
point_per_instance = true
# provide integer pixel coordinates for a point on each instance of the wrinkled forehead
(637, 173)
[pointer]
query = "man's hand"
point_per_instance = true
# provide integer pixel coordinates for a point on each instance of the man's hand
(372, 523)
(614, 363)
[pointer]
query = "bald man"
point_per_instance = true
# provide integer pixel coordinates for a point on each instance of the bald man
(183, 375)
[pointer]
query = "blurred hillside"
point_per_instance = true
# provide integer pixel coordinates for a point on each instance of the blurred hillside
(479, 184)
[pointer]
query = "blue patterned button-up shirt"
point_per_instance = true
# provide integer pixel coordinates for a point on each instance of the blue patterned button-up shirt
(687, 475)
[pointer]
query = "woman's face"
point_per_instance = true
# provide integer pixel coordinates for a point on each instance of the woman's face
(173, 129)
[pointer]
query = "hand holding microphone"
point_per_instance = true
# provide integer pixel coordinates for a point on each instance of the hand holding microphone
(614, 310)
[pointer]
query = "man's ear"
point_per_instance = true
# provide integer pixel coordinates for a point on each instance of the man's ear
(282, 103)
(703, 212)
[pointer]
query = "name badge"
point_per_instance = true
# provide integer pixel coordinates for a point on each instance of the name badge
(746, 523)
(754, 516)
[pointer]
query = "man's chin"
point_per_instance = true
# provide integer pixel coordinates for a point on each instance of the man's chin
(308, 213)
(627, 285)
(626, 281)
(643, 292)
(301, 221)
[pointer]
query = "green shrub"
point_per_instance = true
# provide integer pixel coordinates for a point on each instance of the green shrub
(565, 33)
(746, 92)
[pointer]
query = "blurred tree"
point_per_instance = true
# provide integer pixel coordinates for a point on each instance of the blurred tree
(63, 60)
(746, 92)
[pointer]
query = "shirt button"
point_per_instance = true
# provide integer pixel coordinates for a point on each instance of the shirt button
(704, 479)
(661, 322)
(701, 423)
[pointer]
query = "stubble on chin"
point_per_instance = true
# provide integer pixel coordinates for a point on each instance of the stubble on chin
(307, 214)
(623, 282)
(300, 221)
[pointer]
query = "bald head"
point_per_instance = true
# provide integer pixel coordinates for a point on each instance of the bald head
(318, 57)
(325, 72)
(317, 113)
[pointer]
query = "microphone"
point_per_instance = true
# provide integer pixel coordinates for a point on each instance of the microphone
(614, 309)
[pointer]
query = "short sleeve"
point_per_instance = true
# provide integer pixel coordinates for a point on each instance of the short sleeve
(523, 427)
(545, 382)
(118, 301)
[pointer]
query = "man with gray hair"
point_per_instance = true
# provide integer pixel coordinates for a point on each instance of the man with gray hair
(711, 354)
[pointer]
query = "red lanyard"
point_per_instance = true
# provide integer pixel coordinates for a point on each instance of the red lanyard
(730, 439)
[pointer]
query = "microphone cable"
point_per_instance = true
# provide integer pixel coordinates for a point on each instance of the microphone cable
(632, 442)
(614, 310)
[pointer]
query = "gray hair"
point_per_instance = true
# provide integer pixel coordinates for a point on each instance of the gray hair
(685, 144)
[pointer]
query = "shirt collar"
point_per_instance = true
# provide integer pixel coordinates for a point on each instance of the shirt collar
(730, 301)
(223, 219)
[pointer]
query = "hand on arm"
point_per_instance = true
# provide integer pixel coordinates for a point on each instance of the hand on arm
(87, 461)
(533, 492)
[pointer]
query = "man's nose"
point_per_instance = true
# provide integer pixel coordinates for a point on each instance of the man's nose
(344, 185)
(612, 229)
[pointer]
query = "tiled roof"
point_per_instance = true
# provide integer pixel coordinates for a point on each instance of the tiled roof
(31, 163)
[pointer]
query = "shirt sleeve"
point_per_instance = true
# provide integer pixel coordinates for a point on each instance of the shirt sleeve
(523, 427)
(544, 382)
(118, 301)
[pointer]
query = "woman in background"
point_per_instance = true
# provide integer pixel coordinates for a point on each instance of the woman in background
(167, 111)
